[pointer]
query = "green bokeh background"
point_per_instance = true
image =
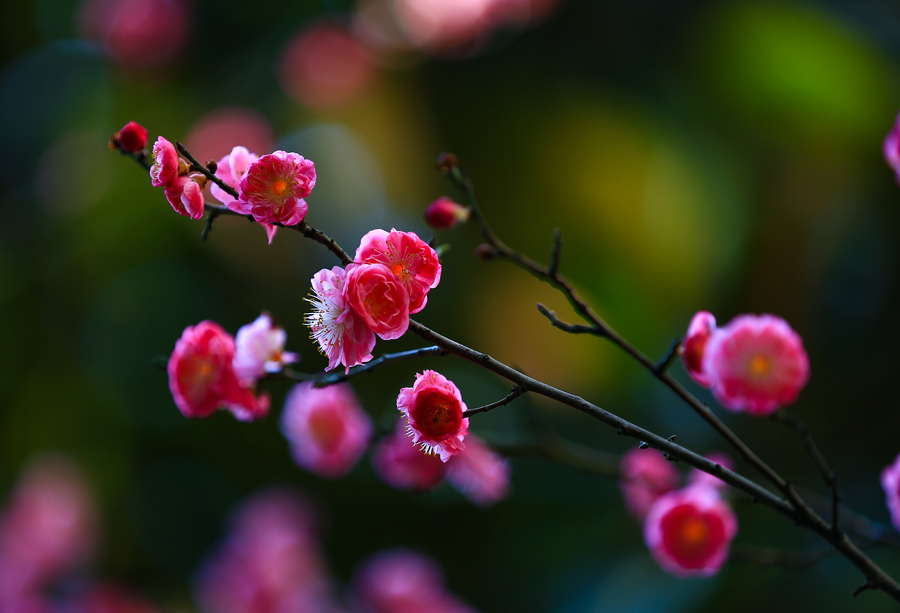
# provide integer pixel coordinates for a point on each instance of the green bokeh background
(723, 156)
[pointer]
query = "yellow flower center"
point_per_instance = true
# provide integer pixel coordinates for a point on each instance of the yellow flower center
(279, 186)
(759, 365)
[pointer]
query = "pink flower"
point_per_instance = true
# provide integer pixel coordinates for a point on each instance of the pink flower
(478, 473)
(186, 196)
(380, 299)
(890, 481)
(702, 326)
(698, 476)
(259, 349)
(202, 377)
(892, 148)
(408, 257)
(274, 188)
(132, 137)
(342, 334)
(645, 477)
(327, 429)
(232, 168)
(689, 531)
(165, 163)
(434, 414)
(757, 363)
(403, 466)
(443, 214)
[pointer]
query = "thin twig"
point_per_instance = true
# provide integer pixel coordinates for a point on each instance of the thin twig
(565, 452)
(512, 395)
(324, 380)
(778, 557)
(663, 365)
(202, 169)
(557, 323)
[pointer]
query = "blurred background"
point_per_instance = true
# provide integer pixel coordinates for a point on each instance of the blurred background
(721, 156)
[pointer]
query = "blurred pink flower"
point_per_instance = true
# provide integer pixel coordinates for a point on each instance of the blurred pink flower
(757, 363)
(109, 598)
(701, 328)
(186, 196)
(259, 349)
(379, 298)
(645, 477)
(479, 473)
(47, 531)
(698, 476)
(890, 481)
(165, 163)
(132, 137)
(437, 25)
(202, 378)
(891, 148)
(410, 258)
(444, 213)
(137, 33)
(268, 563)
(327, 429)
(342, 334)
(324, 67)
(403, 466)
(689, 531)
(434, 414)
(274, 188)
(216, 132)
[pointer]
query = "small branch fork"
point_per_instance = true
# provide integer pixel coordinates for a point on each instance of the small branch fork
(324, 380)
(513, 394)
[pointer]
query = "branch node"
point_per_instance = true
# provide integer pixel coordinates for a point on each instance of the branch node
(865, 586)
(644, 445)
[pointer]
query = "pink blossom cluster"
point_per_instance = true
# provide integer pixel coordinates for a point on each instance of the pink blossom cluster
(755, 364)
(388, 280)
(688, 530)
(477, 472)
(183, 190)
(208, 370)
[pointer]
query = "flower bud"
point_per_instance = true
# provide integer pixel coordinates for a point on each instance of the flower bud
(446, 162)
(443, 214)
(486, 252)
(132, 138)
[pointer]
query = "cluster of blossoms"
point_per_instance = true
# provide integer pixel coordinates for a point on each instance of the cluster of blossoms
(209, 369)
(388, 280)
(755, 364)
(688, 530)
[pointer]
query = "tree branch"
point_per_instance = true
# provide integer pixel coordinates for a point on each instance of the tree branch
(326, 379)
(515, 393)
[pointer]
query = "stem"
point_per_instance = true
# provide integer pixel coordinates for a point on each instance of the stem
(324, 380)
(515, 393)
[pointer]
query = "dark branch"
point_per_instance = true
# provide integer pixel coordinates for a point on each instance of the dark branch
(565, 452)
(512, 395)
(323, 379)
(663, 365)
(202, 169)
(557, 323)
(776, 557)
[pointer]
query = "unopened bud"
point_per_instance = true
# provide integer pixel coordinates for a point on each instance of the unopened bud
(486, 252)
(443, 214)
(132, 138)
(446, 162)
(213, 166)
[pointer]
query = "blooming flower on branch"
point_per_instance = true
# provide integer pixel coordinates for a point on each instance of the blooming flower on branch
(757, 363)
(165, 163)
(403, 466)
(185, 195)
(274, 187)
(327, 429)
(342, 334)
(689, 531)
(646, 477)
(380, 299)
(479, 473)
(890, 481)
(434, 414)
(701, 328)
(259, 349)
(410, 258)
(231, 169)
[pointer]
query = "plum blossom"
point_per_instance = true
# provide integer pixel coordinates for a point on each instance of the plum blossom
(132, 137)
(185, 194)
(380, 299)
(689, 531)
(756, 363)
(403, 466)
(341, 333)
(444, 213)
(434, 414)
(202, 377)
(890, 481)
(646, 477)
(232, 168)
(327, 429)
(165, 163)
(479, 473)
(892, 148)
(408, 257)
(259, 349)
(274, 187)
(701, 328)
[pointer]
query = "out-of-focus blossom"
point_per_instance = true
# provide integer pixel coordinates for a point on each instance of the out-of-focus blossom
(698, 476)
(479, 473)
(47, 531)
(185, 195)
(701, 328)
(165, 163)
(132, 137)
(890, 481)
(403, 466)
(444, 213)
(259, 349)
(202, 377)
(757, 363)
(109, 598)
(327, 429)
(436, 25)
(342, 334)
(892, 148)
(403, 581)
(645, 477)
(215, 134)
(379, 298)
(689, 531)
(138, 33)
(324, 67)
(274, 188)
(268, 563)
(434, 414)
(410, 258)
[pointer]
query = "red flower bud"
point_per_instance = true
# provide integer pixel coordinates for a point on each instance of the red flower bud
(132, 138)
(443, 214)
